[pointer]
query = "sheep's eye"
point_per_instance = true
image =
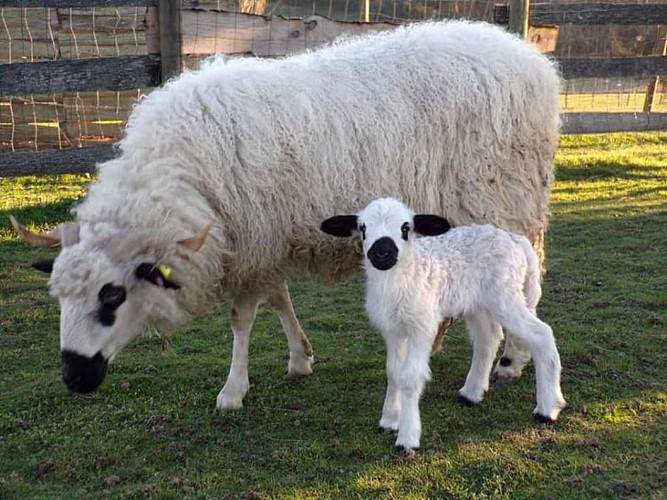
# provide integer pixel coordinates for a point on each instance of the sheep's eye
(111, 297)
(405, 229)
(362, 228)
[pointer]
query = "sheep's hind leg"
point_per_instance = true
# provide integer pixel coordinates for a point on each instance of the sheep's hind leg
(485, 335)
(300, 351)
(236, 387)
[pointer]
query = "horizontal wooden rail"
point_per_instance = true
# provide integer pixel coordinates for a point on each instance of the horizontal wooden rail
(592, 123)
(118, 73)
(70, 161)
(75, 4)
(548, 14)
(55, 161)
(612, 67)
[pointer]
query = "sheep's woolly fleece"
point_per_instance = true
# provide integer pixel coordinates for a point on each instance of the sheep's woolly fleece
(455, 118)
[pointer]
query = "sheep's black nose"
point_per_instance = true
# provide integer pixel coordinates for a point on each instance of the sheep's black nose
(81, 373)
(383, 254)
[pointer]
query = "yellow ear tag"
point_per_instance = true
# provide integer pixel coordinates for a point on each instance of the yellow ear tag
(166, 271)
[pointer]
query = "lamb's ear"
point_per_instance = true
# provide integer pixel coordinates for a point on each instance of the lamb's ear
(46, 266)
(342, 226)
(431, 225)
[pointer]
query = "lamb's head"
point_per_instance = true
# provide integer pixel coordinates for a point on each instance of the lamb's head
(387, 228)
(109, 288)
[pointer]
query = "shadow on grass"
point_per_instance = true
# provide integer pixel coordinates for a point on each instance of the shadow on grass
(49, 214)
(600, 169)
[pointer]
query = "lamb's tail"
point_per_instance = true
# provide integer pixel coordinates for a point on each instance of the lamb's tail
(532, 287)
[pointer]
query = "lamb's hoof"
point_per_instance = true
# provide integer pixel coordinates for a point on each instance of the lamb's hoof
(543, 419)
(464, 400)
(406, 451)
(387, 431)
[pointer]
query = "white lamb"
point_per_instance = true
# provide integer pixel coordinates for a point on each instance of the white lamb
(488, 276)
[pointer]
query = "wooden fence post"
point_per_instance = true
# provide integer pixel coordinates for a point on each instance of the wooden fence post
(519, 17)
(169, 18)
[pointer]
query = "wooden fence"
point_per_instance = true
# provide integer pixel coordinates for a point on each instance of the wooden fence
(171, 33)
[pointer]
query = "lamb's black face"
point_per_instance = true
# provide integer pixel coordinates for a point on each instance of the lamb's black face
(383, 254)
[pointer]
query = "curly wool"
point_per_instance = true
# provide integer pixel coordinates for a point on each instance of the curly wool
(455, 118)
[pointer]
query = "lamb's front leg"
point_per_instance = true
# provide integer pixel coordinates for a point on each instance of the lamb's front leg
(391, 410)
(243, 316)
(413, 375)
(300, 350)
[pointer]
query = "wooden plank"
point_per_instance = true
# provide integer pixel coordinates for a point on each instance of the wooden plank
(214, 32)
(65, 161)
(591, 123)
(547, 14)
(89, 20)
(120, 73)
(75, 4)
(612, 67)
(169, 17)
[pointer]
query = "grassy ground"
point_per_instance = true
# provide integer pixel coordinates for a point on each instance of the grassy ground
(151, 429)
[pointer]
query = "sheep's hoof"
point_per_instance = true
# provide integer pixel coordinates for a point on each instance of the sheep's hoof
(299, 366)
(408, 452)
(464, 400)
(543, 419)
(225, 403)
(387, 430)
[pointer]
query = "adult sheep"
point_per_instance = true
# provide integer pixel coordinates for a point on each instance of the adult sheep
(455, 118)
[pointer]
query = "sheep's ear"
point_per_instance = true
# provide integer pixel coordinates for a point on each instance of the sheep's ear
(431, 225)
(342, 226)
(46, 266)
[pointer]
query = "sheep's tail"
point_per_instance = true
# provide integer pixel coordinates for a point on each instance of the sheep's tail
(532, 287)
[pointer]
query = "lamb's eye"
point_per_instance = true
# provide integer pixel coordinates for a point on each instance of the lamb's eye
(362, 228)
(405, 229)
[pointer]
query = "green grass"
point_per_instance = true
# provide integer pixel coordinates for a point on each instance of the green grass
(151, 429)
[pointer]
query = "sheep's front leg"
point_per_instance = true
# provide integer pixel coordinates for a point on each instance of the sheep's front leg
(300, 350)
(243, 316)
(485, 335)
(413, 375)
(391, 410)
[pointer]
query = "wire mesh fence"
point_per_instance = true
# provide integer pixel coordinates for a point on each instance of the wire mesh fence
(62, 120)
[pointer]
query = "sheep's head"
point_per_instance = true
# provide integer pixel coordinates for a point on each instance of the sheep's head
(109, 289)
(386, 227)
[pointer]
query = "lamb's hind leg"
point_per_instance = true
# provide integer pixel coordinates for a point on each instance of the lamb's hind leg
(300, 350)
(485, 335)
(231, 396)
(527, 328)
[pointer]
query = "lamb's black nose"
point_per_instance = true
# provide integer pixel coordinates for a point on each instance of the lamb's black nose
(81, 373)
(383, 254)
